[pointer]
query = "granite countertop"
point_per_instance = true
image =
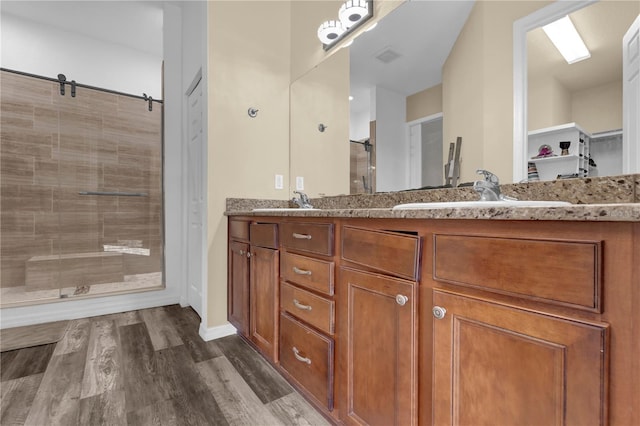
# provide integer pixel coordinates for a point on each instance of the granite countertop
(628, 212)
(603, 199)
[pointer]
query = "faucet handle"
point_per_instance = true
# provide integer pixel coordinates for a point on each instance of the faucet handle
(488, 176)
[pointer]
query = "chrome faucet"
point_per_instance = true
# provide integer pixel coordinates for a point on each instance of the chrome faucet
(303, 201)
(489, 187)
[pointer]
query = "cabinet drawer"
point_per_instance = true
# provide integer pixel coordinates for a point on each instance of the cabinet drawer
(312, 273)
(312, 309)
(559, 272)
(239, 230)
(264, 235)
(308, 357)
(310, 237)
(394, 253)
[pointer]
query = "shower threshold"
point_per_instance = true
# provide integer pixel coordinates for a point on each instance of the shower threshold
(17, 296)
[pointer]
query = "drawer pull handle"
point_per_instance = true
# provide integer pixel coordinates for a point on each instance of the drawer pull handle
(301, 236)
(301, 306)
(300, 358)
(439, 312)
(401, 299)
(301, 271)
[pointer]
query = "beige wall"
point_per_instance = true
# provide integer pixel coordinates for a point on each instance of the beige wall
(424, 103)
(321, 158)
(598, 109)
(549, 103)
(246, 69)
(478, 88)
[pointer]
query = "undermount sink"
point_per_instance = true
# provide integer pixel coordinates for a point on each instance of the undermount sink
(282, 209)
(480, 204)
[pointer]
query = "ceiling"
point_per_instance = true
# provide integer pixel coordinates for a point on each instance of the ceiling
(601, 26)
(421, 33)
(135, 24)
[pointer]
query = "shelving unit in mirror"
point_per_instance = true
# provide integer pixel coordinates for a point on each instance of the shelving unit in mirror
(561, 151)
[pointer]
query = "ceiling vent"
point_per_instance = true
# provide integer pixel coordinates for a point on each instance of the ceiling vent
(387, 55)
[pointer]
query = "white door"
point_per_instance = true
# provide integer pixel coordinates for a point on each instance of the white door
(415, 156)
(196, 200)
(432, 167)
(631, 99)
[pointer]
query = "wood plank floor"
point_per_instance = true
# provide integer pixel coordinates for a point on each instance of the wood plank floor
(147, 367)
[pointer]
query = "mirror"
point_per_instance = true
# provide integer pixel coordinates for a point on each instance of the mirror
(414, 39)
(555, 95)
(396, 106)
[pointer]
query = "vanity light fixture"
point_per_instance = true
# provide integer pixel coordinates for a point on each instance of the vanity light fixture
(330, 31)
(565, 37)
(352, 11)
(351, 15)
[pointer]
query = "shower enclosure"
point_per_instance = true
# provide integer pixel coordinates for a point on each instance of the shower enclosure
(80, 191)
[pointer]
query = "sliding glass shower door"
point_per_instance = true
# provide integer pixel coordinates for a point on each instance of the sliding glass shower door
(81, 192)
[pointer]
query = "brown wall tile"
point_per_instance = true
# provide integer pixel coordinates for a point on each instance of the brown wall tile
(56, 146)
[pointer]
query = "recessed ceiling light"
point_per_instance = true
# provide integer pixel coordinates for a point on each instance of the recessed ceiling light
(565, 37)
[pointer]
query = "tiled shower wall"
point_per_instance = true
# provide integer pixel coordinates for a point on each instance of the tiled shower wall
(52, 148)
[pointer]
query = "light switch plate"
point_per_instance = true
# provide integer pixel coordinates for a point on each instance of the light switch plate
(279, 182)
(299, 183)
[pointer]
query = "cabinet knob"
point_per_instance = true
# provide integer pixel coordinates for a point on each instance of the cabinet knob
(248, 254)
(241, 252)
(401, 299)
(439, 312)
(299, 357)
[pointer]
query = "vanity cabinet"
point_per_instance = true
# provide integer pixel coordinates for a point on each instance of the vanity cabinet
(308, 309)
(532, 322)
(264, 290)
(436, 322)
(238, 276)
(378, 326)
(496, 363)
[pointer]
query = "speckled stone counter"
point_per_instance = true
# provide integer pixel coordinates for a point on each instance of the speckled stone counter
(612, 198)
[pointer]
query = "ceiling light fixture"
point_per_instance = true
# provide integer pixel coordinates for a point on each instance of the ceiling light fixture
(330, 31)
(565, 37)
(351, 15)
(352, 11)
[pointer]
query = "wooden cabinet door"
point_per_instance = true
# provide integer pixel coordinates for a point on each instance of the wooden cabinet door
(379, 347)
(496, 364)
(264, 300)
(238, 287)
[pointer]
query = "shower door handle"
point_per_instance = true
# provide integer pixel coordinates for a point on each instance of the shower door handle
(115, 194)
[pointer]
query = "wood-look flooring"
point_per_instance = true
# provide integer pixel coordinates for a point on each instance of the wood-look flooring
(31, 335)
(146, 367)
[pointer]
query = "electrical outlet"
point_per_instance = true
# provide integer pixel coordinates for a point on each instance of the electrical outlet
(279, 182)
(299, 183)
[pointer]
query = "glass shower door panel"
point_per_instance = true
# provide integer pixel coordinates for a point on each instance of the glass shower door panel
(83, 263)
(28, 177)
(134, 228)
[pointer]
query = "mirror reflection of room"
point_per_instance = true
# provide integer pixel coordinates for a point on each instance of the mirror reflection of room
(396, 97)
(578, 102)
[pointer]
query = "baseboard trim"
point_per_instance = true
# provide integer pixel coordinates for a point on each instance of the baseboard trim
(213, 333)
(84, 308)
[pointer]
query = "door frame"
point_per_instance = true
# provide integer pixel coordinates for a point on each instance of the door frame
(630, 103)
(184, 297)
(408, 126)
